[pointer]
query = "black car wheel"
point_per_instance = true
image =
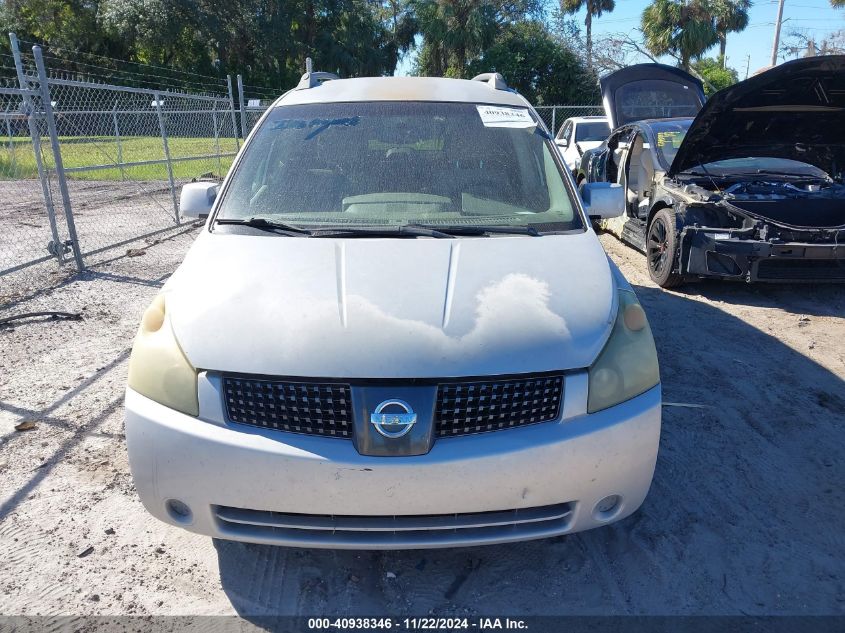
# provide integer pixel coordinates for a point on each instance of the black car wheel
(662, 249)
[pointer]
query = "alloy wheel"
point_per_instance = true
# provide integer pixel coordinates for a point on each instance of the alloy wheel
(658, 246)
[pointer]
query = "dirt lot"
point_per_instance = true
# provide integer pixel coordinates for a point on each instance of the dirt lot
(745, 515)
(105, 213)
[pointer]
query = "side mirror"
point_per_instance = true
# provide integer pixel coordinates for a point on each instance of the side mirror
(603, 200)
(562, 142)
(197, 198)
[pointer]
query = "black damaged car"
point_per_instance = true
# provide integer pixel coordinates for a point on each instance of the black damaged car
(748, 186)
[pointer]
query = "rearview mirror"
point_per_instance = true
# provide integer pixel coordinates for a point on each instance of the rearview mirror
(603, 200)
(197, 198)
(562, 142)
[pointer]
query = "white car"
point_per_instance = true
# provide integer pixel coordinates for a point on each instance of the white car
(578, 134)
(395, 330)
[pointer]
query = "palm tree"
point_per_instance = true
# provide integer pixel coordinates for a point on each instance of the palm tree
(594, 9)
(454, 32)
(838, 3)
(684, 29)
(731, 16)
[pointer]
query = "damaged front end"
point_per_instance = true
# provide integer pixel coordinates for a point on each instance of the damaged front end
(763, 231)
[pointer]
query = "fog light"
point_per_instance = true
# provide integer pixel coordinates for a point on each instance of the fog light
(178, 511)
(607, 507)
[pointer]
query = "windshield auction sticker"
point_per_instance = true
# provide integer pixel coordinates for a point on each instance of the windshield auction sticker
(672, 138)
(497, 116)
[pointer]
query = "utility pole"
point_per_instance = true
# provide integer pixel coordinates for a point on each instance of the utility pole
(747, 64)
(776, 43)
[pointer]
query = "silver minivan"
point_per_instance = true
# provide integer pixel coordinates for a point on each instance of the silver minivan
(395, 330)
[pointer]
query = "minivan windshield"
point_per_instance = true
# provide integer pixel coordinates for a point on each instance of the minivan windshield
(400, 163)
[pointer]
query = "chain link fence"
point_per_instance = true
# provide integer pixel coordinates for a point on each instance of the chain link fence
(91, 170)
(255, 101)
(33, 227)
(88, 167)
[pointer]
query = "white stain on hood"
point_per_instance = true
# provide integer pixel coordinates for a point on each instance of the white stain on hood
(375, 307)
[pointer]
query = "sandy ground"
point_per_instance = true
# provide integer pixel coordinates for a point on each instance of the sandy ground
(745, 514)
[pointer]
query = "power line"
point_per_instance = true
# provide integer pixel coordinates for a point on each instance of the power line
(112, 69)
(110, 74)
(52, 48)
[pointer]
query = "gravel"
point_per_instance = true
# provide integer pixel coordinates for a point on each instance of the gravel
(745, 514)
(105, 213)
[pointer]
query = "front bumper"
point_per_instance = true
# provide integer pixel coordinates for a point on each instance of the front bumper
(707, 252)
(248, 484)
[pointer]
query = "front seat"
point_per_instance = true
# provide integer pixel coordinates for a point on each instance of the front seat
(633, 172)
(645, 178)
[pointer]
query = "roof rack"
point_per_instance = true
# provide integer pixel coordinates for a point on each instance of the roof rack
(313, 79)
(494, 80)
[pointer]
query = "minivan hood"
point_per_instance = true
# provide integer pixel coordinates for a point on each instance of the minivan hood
(392, 308)
(793, 111)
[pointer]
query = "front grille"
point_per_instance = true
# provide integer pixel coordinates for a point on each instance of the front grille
(296, 407)
(477, 407)
(802, 269)
(399, 531)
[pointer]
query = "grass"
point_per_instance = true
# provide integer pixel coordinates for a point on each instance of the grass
(17, 159)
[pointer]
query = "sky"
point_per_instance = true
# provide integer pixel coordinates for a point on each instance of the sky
(751, 48)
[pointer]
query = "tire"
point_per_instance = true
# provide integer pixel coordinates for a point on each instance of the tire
(661, 249)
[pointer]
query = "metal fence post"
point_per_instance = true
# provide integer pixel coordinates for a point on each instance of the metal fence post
(117, 138)
(554, 127)
(57, 156)
(163, 129)
(35, 137)
(244, 131)
(232, 109)
(216, 139)
(12, 152)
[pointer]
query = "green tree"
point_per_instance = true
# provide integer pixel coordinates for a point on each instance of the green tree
(159, 32)
(67, 23)
(538, 66)
(715, 74)
(455, 32)
(595, 8)
(684, 29)
(730, 16)
(267, 41)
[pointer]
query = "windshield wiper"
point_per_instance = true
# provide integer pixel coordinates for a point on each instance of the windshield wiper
(264, 224)
(402, 230)
(478, 229)
(423, 230)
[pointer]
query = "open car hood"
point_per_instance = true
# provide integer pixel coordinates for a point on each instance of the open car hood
(650, 91)
(792, 111)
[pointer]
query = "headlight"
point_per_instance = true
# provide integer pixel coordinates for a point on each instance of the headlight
(627, 366)
(158, 368)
